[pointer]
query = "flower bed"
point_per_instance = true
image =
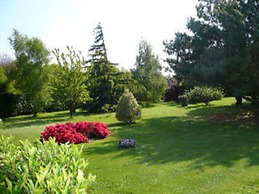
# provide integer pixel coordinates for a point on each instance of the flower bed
(127, 143)
(76, 133)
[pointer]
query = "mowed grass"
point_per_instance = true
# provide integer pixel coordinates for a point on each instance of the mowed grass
(195, 149)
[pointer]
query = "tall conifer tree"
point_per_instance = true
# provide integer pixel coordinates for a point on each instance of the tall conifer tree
(102, 74)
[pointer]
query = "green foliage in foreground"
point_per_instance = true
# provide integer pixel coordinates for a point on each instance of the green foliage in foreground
(195, 149)
(42, 167)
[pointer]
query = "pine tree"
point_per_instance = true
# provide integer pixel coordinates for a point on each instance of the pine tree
(222, 49)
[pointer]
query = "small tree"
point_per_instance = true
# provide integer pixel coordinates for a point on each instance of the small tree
(69, 80)
(148, 73)
(128, 109)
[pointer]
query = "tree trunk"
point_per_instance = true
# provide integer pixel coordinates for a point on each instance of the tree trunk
(255, 100)
(34, 110)
(72, 110)
(238, 100)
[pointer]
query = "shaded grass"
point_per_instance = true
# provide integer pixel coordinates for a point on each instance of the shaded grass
(179, 150)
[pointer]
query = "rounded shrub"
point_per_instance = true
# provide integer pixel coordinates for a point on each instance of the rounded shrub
(128, 109)
(201, 95)
(76, 133)
(173, 92)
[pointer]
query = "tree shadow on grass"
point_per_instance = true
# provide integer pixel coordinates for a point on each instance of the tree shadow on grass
(229, 114)
(177, 139)
(119, 124)
(24, 121)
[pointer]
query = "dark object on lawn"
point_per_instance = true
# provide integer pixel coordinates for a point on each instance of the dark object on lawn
(127, 143)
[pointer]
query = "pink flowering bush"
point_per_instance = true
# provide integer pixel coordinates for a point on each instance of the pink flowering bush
(76, 133)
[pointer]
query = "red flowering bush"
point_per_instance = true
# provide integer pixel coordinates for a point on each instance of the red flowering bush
(76, 133)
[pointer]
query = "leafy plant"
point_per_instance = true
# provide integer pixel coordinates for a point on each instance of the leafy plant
(76, 132)
(173, 91)
(42, 167)
(68, 80)
(109, 108)
(148, 74)
(201, 94)
(31, 76)
(128, 109)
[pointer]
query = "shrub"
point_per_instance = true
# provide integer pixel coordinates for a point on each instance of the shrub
(173, 92)
(146, 104)
(184, 99)
(42, 167)
(201, 94)
(108, 108)
(76, 133)
(128, 109)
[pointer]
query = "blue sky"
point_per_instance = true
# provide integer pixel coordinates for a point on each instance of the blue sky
(71, 22)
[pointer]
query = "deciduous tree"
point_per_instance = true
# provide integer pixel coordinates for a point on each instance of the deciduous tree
(69, 79)
(31, 78)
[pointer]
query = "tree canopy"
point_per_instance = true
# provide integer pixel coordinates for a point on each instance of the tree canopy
(106, 83)
(148, 73)
(98, 51)
(69, 79)
(221, 49)
(31, 78)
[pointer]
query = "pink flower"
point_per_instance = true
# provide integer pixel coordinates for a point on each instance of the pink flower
(76, 133)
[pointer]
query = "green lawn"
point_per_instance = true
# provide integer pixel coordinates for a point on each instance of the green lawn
(195, 149)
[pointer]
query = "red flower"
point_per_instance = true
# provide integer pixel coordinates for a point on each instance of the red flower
(76, 133)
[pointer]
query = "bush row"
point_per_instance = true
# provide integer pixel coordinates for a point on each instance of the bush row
(200, 95)
(76, 133)
(42, 167)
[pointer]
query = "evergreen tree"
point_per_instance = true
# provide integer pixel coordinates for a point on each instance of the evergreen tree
(128, 109)
(148, 74)
(222, 48)
(105, 80)
(98, 51)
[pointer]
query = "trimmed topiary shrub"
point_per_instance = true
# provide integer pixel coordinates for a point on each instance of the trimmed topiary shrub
(200, 95)
(76, 133)
(42, 167)
(128, 109)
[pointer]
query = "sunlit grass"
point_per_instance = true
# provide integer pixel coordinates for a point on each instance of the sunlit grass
(195, 149)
